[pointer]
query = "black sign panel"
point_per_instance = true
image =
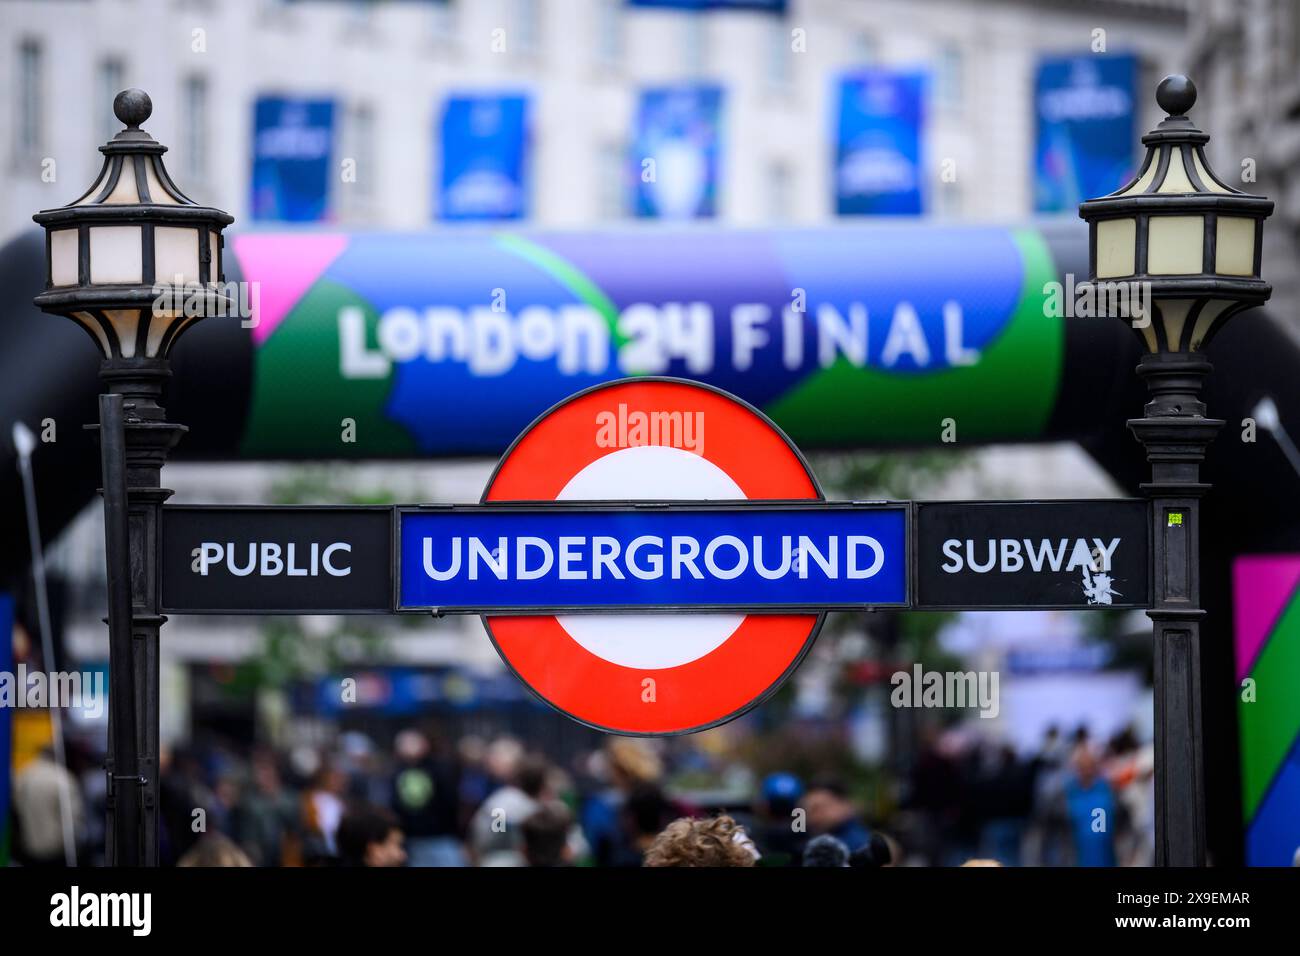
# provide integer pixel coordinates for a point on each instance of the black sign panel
(1033, 554)
(277, 560)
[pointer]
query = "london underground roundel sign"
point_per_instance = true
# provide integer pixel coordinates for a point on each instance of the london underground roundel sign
(652, 439)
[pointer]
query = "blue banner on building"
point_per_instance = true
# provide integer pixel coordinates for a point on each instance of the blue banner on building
(293, 141)
(878, 148)
(1086, 129)
(484, 158)
(676, 152)
(505, 560)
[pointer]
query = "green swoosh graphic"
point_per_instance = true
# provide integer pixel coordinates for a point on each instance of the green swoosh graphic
(567, 274)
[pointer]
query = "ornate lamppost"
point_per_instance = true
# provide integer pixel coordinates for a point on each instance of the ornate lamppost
(1192, 242)
(135, 262)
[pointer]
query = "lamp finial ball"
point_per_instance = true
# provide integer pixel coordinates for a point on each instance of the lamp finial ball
(1176, 94)
(132, 107)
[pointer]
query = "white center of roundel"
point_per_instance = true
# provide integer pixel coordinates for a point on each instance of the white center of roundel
(650, 641)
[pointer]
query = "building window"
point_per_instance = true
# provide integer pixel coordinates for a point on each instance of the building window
(527, 27)
(29, 111)
(612, 183)
(1294, 46)
(780, 56)
(947, 200)
(694, 44)
(358, 145)
(445, 21)
(195, 120)
(609, 32)
(361, 11)
(779, 189)
(865, 51)
(111, 80)
(363, 138)
(949, 78)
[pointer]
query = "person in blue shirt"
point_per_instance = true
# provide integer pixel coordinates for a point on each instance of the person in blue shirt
(1091, 810)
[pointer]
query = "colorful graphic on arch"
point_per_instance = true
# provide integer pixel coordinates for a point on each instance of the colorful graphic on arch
(844, 336)
(1266, 601)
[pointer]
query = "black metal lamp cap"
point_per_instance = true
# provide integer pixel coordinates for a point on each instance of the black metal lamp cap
(1176, 94)
(132, 107)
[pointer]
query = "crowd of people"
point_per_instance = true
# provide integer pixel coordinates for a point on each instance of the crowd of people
(428, 801)
(497, 803)
(1071, 802)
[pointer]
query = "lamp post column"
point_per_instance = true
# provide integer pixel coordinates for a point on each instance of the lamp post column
(148, 439)
(1176, 434)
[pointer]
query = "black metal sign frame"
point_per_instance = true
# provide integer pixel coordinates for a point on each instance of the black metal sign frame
(167, 569)
(912, 511)
(921, 601)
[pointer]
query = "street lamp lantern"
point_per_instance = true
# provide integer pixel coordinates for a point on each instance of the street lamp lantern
(1193, 240)
(1189, 245)
(134, 261)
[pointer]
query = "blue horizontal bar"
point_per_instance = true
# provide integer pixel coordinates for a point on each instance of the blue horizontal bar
(565, 559)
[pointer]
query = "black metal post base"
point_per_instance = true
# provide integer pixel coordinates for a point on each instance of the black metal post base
(1180, 775)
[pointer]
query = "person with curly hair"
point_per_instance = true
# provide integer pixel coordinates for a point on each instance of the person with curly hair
(717, 841)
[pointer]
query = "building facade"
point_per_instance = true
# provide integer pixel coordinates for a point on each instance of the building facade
(392, 65)
(1244, 56)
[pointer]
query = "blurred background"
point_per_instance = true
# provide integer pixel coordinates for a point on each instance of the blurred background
(324, 125)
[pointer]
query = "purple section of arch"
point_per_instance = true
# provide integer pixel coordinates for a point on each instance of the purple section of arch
(1263, 585)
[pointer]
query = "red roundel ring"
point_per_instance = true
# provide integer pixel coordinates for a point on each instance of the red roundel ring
(667, 673)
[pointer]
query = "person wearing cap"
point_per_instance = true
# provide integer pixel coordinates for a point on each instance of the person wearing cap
(780, 831)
